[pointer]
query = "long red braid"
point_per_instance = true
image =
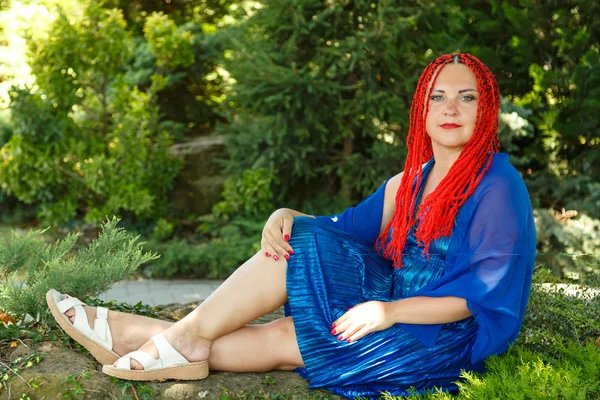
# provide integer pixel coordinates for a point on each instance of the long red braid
(436, 214)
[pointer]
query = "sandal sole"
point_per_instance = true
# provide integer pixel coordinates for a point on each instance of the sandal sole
(101, 355)
(188, 372)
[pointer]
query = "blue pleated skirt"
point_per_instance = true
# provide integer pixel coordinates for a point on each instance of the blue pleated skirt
(331, 271)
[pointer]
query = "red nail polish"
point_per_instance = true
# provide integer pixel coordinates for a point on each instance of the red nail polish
(267, 254)
(286, 257)
(275, 257)
(286, 238)
(333, 325)
(340, 337)
(291, 252)
(348, 340)
(333, 332)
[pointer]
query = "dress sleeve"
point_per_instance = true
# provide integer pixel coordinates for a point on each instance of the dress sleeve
(491, 267)
(363, 220)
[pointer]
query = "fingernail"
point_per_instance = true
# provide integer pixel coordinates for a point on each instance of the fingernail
(333, 332)
(286, 257)
(267, 254)
(340, 337)
(349, 308)
(333, 325)
(348, 340)
(291, 252)
(275, 257)
(286, 238)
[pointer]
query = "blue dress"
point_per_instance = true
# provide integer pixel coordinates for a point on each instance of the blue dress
(488, 260)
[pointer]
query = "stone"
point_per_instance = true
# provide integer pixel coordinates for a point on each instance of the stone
(66, 368)
(200, 182)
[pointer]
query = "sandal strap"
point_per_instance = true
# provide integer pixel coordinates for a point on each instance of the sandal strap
(67, 303)
(147, 361)
(101, 331)
(101, 328)
(167, 353)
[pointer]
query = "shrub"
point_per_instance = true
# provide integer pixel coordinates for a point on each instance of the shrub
(30, 267)
(85, 142)
(224, 246)
(566, 244)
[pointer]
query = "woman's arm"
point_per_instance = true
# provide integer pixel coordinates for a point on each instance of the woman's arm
(427, 310)
(372, 316)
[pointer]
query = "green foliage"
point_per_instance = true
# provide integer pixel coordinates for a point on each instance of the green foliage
(566, 246)
(139, 390)
(85, 141)
(9, 371)
(249, 195)
(163, 229)
(136, 309)
(171, 48)
(549, 64)
(223, 247)
(553, 316)
(261, 395)
(188, 83)
(324, 89)
(74, 389)
(6, 128)
(523, 374)
(32, 267)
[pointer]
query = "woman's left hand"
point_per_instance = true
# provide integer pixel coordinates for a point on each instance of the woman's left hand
(361, 320)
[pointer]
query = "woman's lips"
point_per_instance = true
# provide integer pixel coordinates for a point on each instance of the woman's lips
(450, 126)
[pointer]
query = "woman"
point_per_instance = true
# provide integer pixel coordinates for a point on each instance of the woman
(426, 277)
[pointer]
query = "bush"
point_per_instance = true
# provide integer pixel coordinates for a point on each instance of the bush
(85, 142)
(248, 195)
(223, 247)
(553, 316)
(30, 267)
(567, 245)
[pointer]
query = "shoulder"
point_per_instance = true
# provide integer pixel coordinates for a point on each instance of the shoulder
(392, 185)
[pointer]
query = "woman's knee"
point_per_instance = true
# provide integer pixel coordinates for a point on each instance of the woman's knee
(283, 334)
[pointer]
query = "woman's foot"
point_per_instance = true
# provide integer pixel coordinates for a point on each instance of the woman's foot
(127, 330)
(183, 339)
(116, 333)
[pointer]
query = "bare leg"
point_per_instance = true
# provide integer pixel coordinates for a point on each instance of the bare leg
(257, 348)
(252, 348)
(254, 289)
(129, 331)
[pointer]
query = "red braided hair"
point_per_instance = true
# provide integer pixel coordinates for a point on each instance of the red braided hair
(437, 213)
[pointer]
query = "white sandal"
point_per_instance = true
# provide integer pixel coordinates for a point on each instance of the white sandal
(170, 364)
(98, 340)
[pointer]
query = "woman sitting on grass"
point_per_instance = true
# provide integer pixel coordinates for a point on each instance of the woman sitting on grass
(426, 277)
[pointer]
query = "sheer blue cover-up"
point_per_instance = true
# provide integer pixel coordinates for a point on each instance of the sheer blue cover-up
(488, 261)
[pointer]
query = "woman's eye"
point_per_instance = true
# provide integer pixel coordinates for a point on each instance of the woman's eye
(435, 97)
(469, 98)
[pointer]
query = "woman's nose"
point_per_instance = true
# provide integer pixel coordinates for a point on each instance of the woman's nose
(451, 109)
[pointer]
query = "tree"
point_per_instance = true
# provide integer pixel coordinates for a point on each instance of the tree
(324, 88)
(86, 142)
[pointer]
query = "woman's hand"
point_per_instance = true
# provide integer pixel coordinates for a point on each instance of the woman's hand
(277, 233)
(361, 320)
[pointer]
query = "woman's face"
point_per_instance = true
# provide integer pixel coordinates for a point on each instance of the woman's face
(452, 108)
